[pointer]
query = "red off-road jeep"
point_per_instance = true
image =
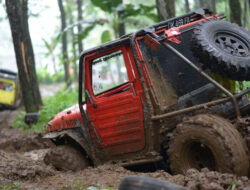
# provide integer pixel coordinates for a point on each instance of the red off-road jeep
(150, 97)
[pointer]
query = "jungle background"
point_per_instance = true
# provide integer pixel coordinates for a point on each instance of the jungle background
(60, 30)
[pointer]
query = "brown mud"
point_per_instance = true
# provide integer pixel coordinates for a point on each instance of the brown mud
(21, 162)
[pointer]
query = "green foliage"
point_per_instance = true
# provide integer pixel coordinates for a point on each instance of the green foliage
(45, 77)
(50, 46)
(106, 36)
(9, 186)
(148, 11)
(234, 185)
(244, 85)
(85, 32)
(51, 106)
(122, 13)
(107, 5)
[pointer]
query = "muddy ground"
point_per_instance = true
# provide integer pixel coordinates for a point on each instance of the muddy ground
(22, 167)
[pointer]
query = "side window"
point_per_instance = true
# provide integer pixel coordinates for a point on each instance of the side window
(108, 72)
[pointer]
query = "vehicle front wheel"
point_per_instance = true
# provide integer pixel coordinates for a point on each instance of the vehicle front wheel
(66, 157)
(208, 141)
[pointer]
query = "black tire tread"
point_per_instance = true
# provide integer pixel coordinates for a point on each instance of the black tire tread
(146, 183)
(224, 131)
(215, 60)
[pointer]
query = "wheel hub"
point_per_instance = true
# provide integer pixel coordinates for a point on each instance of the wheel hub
(200, 156)
(232, 44)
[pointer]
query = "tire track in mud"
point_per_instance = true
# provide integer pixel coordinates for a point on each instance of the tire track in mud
(106, 176)
(21, 161)
(21, 152)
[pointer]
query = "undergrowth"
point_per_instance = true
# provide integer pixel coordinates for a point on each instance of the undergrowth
(51, 106)
(10, 186)
(245, 85)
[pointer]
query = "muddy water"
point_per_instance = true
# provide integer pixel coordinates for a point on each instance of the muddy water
(21, 161)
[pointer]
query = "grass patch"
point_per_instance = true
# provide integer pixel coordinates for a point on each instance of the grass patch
(51, 106)
(10, 186)
(245, 85)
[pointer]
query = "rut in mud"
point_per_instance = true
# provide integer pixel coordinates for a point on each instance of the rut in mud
(110, 176)
(21, 153)
(21, 161)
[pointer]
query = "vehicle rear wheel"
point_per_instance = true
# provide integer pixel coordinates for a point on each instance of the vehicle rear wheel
(223, 47)
(207, 141)
(66, 157)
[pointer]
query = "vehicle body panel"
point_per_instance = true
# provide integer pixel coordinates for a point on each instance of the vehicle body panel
(7, 92)
(66, 119)
(10, 95)
(116, 120)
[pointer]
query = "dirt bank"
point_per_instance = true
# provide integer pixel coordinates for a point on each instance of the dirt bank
(14, 166)
(21, 162)
(109, 176)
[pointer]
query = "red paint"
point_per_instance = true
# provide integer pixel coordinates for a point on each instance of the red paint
(65, 119)
(118, 118)
(172, 35)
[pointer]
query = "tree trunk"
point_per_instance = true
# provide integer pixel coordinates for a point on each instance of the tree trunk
(18, 17)
(200, 3)
(121, 24)
(210, 4)
(245, 14)
(213, 2)
(235, 11)
(187, 6)
(73, 45)
(165, 9)
(79, 26)
(64, 44)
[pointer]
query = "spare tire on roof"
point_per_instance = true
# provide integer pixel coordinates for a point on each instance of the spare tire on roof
(223, 47)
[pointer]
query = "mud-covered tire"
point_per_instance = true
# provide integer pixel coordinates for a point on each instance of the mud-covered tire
(146, 183)
(223, 47)
(66, 157)
(207, 141)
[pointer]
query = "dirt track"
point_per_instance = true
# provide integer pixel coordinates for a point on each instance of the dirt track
(21, 161)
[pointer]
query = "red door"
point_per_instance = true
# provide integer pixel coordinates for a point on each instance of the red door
(114, 105)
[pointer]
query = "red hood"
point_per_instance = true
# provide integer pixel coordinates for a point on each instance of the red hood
(65, 119)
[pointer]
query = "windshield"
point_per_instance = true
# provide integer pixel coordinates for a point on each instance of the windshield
(108, 72)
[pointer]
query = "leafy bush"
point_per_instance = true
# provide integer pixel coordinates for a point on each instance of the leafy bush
(245, 85)
(10, 186)
(45, 77)
(51, 106)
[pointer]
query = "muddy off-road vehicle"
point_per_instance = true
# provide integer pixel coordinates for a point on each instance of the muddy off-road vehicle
(150, 98)
(10, 94)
